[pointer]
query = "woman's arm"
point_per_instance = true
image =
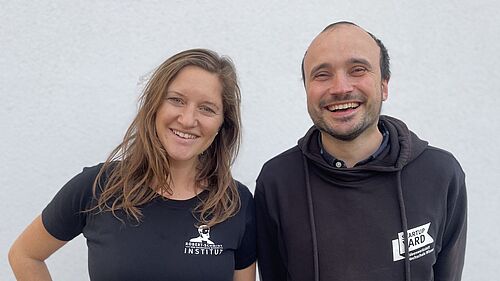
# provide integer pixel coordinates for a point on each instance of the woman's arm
(245, 274)
(28, 253)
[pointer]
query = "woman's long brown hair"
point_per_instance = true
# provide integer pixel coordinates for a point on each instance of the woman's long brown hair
(140, 159)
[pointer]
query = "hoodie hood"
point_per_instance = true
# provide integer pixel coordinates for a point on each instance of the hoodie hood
(404, 147)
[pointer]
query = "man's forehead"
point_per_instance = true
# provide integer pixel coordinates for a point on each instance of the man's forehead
(342, 45)
(343, 37)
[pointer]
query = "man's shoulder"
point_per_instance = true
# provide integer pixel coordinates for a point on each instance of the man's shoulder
(284, 163)
(440, 159)
(285, 159)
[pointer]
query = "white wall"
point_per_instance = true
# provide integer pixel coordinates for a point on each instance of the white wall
(69, 74)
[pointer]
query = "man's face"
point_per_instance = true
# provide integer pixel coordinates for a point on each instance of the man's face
(204, 232)
(343, 82)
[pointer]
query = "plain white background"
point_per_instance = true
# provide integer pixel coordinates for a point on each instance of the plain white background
(71, 72)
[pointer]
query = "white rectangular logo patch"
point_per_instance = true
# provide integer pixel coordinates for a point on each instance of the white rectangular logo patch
(419, 243)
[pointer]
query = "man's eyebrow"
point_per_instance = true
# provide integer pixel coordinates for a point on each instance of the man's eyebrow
(350, 61)
(320, 66)
(360, 61)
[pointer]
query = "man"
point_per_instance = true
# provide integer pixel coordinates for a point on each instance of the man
(337, 205)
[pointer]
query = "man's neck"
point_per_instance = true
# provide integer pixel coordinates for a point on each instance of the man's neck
(356, 150)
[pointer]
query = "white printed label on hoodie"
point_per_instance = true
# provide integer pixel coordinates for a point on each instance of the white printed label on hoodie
(419, 243)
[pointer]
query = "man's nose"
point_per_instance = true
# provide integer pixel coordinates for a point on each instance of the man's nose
(340, 84)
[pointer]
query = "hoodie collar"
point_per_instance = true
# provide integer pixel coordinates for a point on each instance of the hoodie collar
(404, 146)
(330, 159)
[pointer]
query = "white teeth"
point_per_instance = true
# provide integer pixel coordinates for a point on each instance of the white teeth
(343, 106)
(184, 135)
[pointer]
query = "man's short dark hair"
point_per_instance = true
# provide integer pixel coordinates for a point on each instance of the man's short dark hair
(384, 55)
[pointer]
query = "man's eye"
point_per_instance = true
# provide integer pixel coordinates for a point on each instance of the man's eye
(358, 71)
(321, 75)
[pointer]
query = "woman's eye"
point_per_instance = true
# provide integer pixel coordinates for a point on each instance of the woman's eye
(207, 110)
(175, 100)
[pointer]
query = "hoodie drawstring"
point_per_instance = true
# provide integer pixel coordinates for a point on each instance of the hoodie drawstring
(404, 222)
(312, 223)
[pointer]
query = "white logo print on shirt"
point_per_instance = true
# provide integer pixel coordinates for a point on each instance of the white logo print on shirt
(204, 232)
(202, 245)
(419, 243)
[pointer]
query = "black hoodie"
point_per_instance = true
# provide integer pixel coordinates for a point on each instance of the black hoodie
(318, 222)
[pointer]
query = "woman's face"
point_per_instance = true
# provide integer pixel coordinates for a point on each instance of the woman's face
(191, 114)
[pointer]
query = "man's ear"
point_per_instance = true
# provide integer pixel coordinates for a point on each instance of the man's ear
(385, 89)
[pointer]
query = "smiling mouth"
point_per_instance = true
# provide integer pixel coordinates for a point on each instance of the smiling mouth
(184, 135)
(343, 106)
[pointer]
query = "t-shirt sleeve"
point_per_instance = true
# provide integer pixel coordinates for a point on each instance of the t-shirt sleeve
(64, 217)
(247, 251)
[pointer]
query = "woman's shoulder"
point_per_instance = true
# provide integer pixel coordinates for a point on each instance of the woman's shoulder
(81, 184)
(246, 197)
(92, 172)
(243, 191)
(88, 174)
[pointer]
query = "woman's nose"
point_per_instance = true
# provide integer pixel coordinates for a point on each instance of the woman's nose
(188, 117)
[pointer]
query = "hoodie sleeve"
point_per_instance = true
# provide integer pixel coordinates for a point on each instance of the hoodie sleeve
(450, 260)
(270, 262)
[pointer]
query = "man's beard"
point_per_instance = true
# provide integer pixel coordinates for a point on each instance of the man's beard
(369, 119)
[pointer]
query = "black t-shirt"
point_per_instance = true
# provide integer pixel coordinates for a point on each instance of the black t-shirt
(165, 245)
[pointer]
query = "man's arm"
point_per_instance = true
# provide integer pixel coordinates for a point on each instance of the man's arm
(450, 260)
(270, 262)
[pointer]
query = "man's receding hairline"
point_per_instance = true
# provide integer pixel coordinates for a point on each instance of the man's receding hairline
(333, 26)
(383, 54)
(341, 23)
(346, 23)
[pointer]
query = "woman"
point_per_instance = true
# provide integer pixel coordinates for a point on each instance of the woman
(164, 205)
